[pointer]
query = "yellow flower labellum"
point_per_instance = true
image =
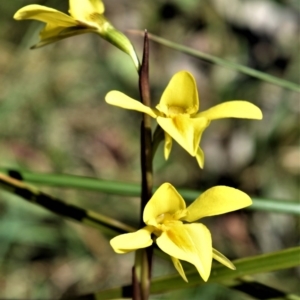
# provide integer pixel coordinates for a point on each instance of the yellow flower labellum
(177, 113)
(171, 222)
(86, 16)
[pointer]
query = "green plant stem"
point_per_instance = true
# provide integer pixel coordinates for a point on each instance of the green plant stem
(222, 62)
(144, 256)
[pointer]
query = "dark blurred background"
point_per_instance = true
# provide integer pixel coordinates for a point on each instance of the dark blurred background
(53, 119)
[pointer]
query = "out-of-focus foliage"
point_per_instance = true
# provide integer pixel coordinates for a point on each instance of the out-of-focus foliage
(53, 118)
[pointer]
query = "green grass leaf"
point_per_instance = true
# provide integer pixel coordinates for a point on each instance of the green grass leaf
(264, 263)
(134, 190)
(224, 63)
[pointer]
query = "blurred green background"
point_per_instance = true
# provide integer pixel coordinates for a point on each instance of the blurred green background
(53, 119)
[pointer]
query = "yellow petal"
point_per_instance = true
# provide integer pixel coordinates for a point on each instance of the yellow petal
(180, 95)
(232, 109)
(190, 242)
(166, 200)
(45, 14)
(50, 31)
(168, 146)
(200, 157)
(184, 130)
(215, 201)
(223, 259)
(178, 266)
(119, 99)
(50, 36)
(132, 241)
(84, 10)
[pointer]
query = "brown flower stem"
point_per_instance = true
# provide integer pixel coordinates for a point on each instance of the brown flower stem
(145, 255)
(136, 289)
(146, 135)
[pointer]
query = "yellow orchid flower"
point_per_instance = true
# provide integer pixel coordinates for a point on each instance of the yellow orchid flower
(164, 215)
(85, 16)
(177, 113)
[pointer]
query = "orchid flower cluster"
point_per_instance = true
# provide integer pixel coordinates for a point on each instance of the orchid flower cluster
(168, 221)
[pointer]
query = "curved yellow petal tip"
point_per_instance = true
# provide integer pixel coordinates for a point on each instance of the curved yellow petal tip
(254, 112)
(223, 259)
(168, 146)
(17, 16)
(21, 14)
(200, 157)
(179, 268)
